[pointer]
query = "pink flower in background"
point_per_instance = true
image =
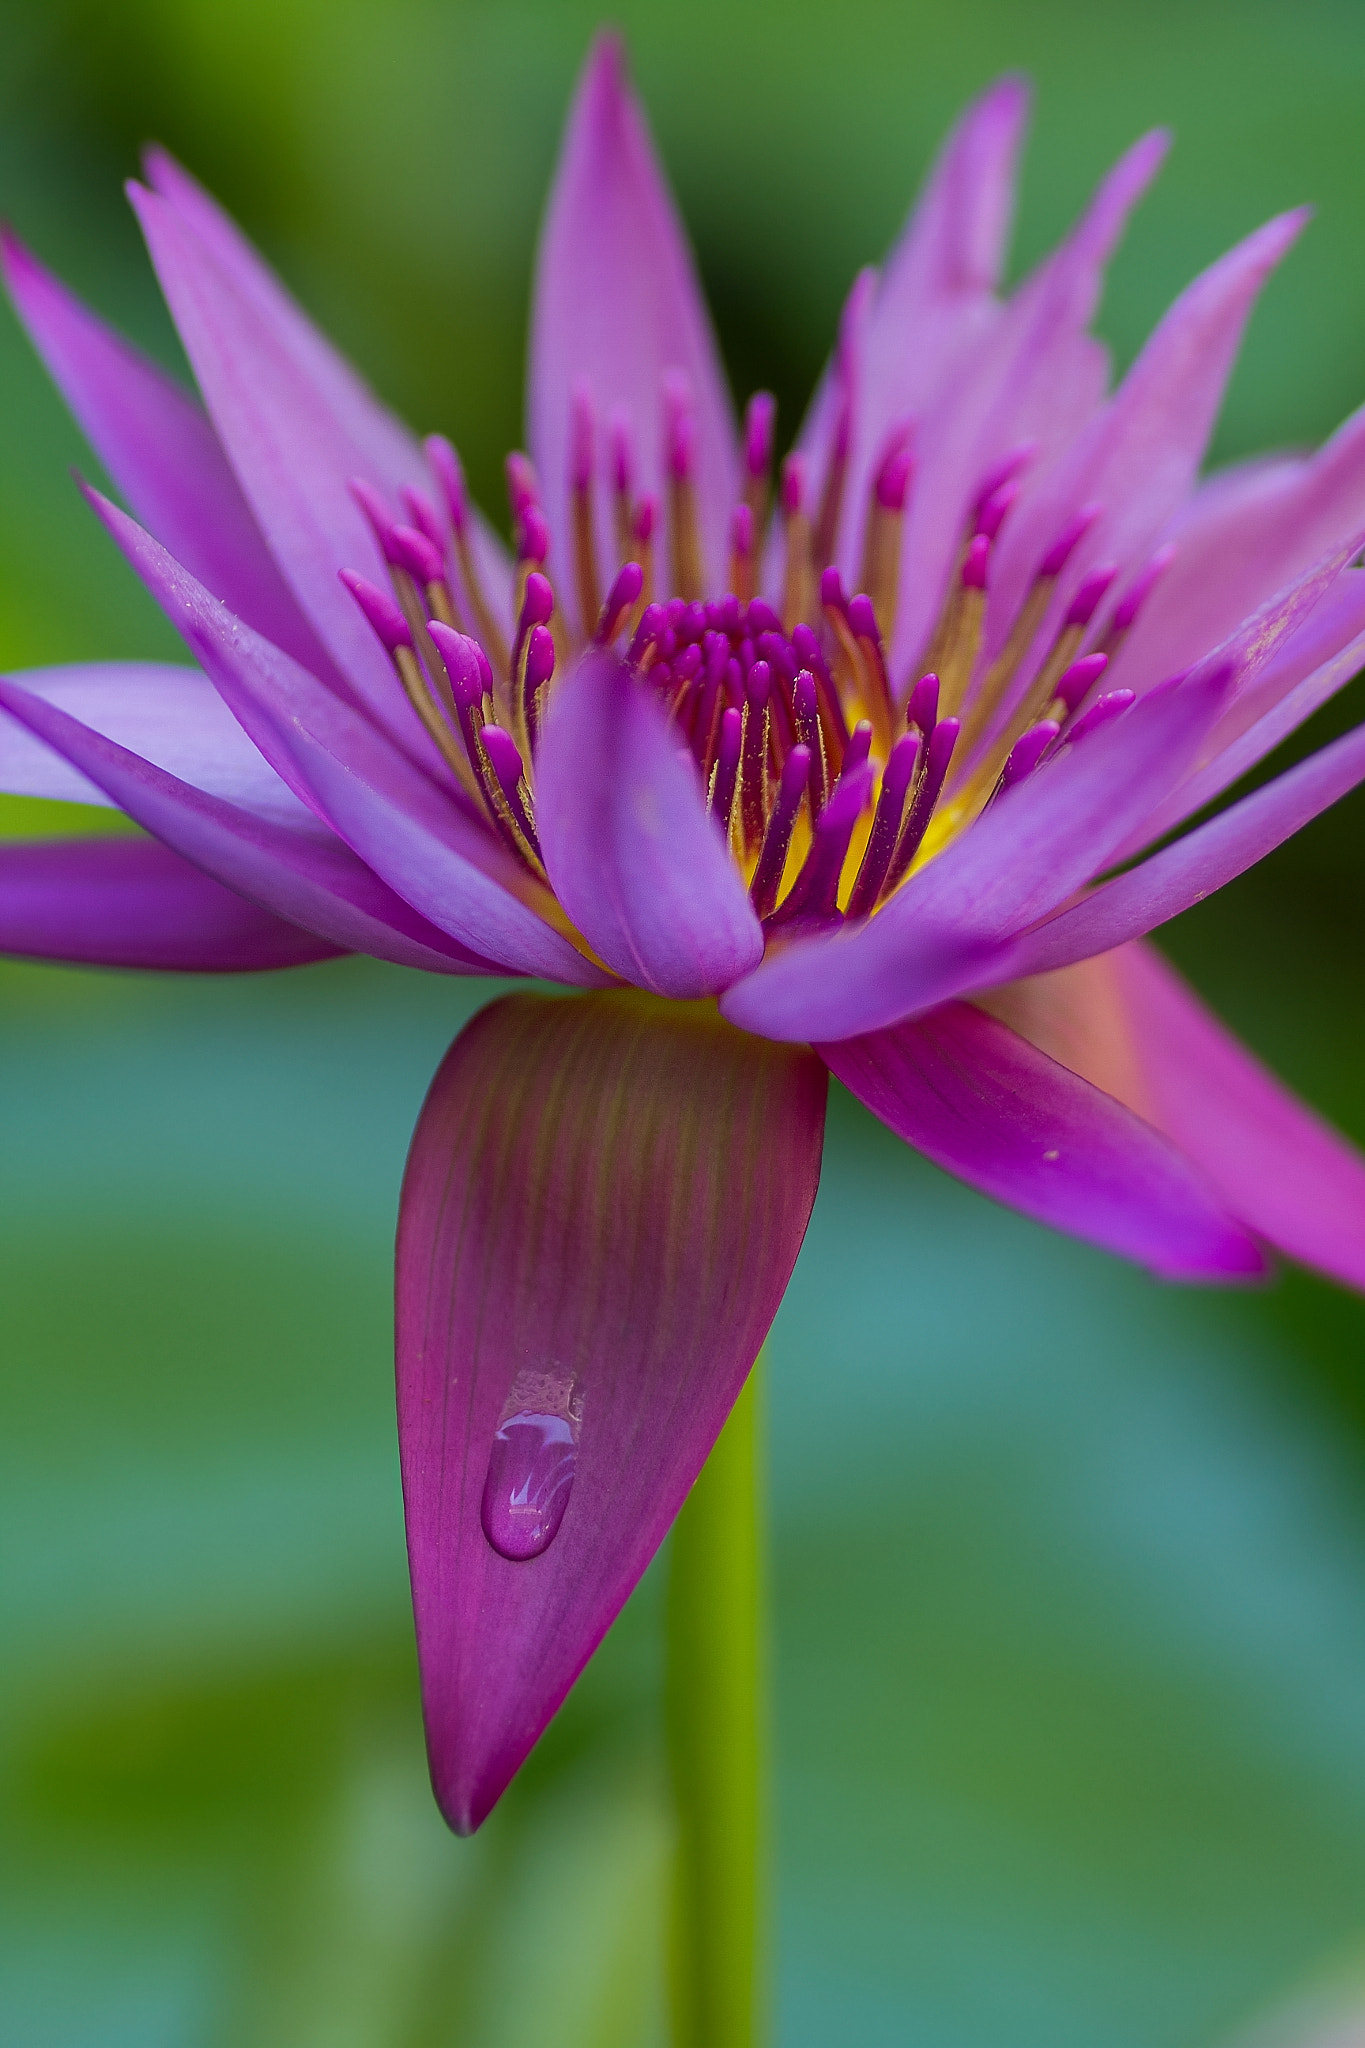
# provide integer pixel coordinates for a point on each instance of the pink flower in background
(821, 777)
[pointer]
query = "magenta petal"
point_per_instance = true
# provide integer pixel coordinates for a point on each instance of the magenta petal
(172, 717)
(1191, 869)
(302, 874)
(159, 448)
(948, 929)
(134, 903)
(616, 305)
(991, 1108)
(417, 836)
(634, 858)
(603, 1205)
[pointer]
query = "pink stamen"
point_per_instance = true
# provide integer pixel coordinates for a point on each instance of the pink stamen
(1069, 539)
(759, 417)
(794, 483)
(778, 837)
(680, 426)
(893, 480)
(624, 592)
(449, 474)
(653, 620)
(1101, 712)
(408, 549)
(806, 717)
(505, 761)
(815, 892)
(922, 710)
(622, 442)
(1075, 685)
(994, 510)
(832, 591)
(533, 534)
(646, 518)
(540, 667)
(424, 517)
(975, 563)
(380, 610)
(1091, 594)
(582, 437)
(897, 777)
(523, 485)
(1028, 751)
(859, 746)
(1005, 471)
(726, 776)
(754, 775)
(938, 753)
(1131, 603)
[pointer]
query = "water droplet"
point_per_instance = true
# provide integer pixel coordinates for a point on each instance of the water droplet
(530, 1476)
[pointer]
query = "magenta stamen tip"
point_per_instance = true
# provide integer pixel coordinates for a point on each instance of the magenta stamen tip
(759, 685)
(533, 535)
(408, 549)
(1069, 539)
(461, 657)
(759, 416)
(582, 435)
(622, 441)
(862, 618)
(653, 620)
(1091, 593)
(793, 483)
(1005, 471)
(523, 485)
(742, 532)
(540, 658)
(645, 520)
(449, 474)
(538, 604)
(975, 563)
(424, 516)
(832, 590)
(1131, 604)
(375, 510)
(680, 426)
(503, 758)
(803, 695)
(629, 582)
(893, 479)
(995, 509)
(380, 609)
(1080, 679)
(762, 618)
(1028, 751)
(1101, 712)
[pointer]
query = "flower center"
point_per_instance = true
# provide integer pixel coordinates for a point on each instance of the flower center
(829, 780)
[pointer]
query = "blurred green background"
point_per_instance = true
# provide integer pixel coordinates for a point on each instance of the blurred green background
(1069, 1568)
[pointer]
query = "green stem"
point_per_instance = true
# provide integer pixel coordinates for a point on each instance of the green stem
(717, 1740)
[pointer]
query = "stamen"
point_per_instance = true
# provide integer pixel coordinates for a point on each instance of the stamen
(759, 417)
(743, 563)
(1027, 621)
(582, 459)
(826, 528)
(809, 654)
(424, 516)
(961, 641)
(815, 892)
(726, 776)
(540, 667)
(523, 485)
(466, 675)
(1100, 713)
(754, 765)
(806, 718)
(680, 459)
(640, 544)
(446, 467)
(537, 609)
(798, 581)
(1126, 612)
(623, 469)
(897, 777)
(1075, 685)
(862, 621)
(885, 520)
(1028, 751)
(937, 755)
(395, 634)
(619, 601)
(509, 785)
(778, 837)
(652, 625)
(849, 659)
(922, 710)
(1006, 471)
(859, 746)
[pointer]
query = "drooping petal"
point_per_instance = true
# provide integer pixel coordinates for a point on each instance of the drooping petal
(172, 717)
(1128, 1022)
(133, 903)
(988, 1106)
(1035, 375)
(292, 452)
(1139, 458)
(303, 874)
(603, 1204)
(949, 928)
(633, 856)
(616, 305)
(1192, 868)
(158, 446)
(411, 832)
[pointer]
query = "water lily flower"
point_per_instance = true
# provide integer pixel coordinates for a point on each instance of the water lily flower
(872, 769)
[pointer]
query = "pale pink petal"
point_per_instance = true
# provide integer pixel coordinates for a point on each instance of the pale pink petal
(603, 1204)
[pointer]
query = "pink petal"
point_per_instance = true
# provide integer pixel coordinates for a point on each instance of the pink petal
(1139, 458)
(989, 1107)
(634, 858)
(603, 1205)
(1034, 376)
(1129, 1023)
(172, 717)
(414, 834)
(948, 929)
(134, 903)
(1191, 869)
(301, 874)
(157, 445)
(617, 303)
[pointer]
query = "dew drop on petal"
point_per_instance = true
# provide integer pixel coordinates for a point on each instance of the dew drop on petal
(530, 1477)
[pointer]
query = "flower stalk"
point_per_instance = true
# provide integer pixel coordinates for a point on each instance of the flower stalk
(717, 1720)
